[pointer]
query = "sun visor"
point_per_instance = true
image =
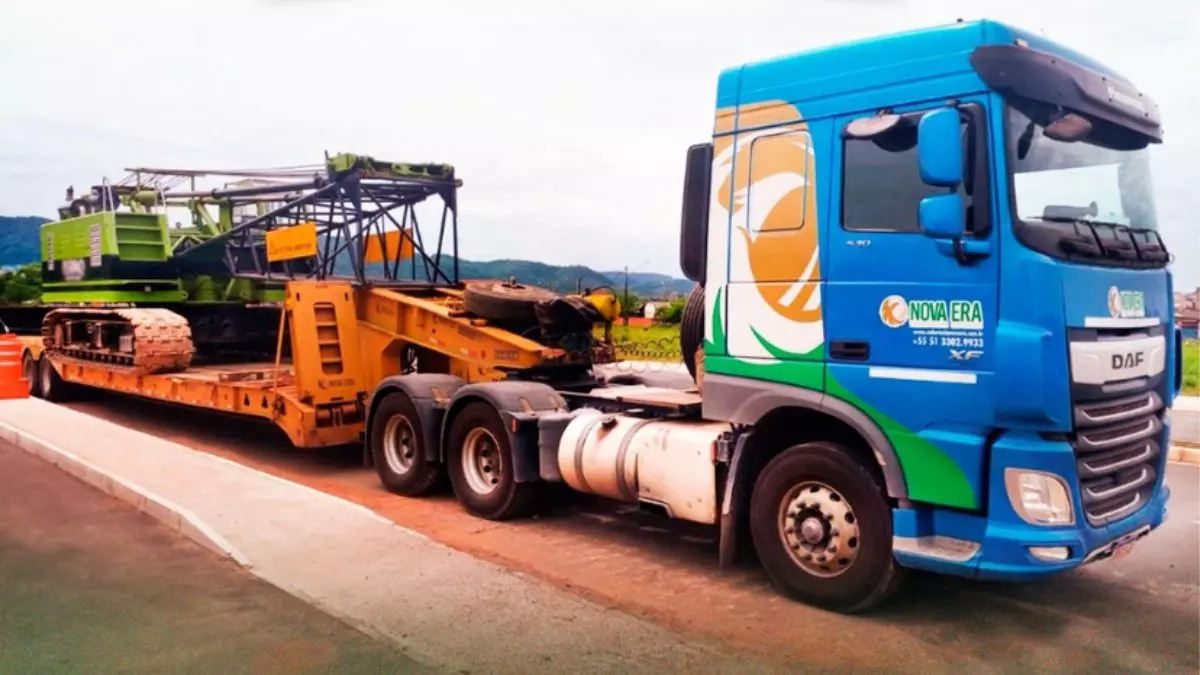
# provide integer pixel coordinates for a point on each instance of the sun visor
(1038, 75)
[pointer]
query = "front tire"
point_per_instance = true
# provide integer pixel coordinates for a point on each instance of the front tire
(821, 526)
(480, 464)
(398, 448)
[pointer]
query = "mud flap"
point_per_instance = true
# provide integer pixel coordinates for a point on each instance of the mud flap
(522, 430)
(734, 503)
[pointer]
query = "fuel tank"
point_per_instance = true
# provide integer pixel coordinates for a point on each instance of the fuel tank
(669, 463)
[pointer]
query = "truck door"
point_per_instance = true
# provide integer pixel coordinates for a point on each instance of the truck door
(909, 323)
(773, 307)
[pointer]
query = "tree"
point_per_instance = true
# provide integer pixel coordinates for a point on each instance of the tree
(631, 304)
(672, 312)
(21, 285)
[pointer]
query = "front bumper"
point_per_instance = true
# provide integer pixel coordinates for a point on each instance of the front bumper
(1001, 546)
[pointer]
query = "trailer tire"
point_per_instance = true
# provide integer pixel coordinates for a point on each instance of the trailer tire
(691, 330)
(30, 371)
(398, 448)
(506, 304)
(53, 388)
(480, 465)
(821, 525)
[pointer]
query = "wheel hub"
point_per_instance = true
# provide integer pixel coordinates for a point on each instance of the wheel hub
(399, 445)
(819, 529)
(813, 530)
(481, 460)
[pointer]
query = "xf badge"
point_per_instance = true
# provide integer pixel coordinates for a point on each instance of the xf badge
(965, 354)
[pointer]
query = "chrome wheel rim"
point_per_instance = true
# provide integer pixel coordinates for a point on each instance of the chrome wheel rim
(819, 529)
(481, 461)
(399, 445)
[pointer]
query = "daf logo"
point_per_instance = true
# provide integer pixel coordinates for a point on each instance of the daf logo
(1128, 360)
(964, 354)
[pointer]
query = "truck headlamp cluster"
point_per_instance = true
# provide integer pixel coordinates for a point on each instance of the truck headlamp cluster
(1039, 498)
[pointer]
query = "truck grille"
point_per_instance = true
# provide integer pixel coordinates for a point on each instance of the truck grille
(1117, 454)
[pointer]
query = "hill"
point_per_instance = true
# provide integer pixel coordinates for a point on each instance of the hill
(558, 278)
(19, 242)
(19, 246)
(652, 283)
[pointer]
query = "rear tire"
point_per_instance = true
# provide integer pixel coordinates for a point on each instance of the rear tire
(479, 462)
(398, 448)
(821, 525)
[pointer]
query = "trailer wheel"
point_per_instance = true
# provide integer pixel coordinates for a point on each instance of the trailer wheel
(479, 462)
(53, 388)
(30, 371)
(397, 450)
(822, 528)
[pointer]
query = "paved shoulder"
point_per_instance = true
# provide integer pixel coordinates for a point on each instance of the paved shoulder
(441, 606)
(93, 586)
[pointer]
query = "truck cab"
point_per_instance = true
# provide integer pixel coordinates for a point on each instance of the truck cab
(935, 294)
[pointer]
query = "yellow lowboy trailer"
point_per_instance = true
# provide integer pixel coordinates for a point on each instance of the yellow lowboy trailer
(342, 341)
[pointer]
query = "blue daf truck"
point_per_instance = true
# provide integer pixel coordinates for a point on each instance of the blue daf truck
(932, 329)
(936, 304)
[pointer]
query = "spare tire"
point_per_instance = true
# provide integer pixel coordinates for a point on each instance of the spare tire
(509, 305)
(691, 329)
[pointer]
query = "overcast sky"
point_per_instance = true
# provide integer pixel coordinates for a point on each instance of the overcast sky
(567, 121)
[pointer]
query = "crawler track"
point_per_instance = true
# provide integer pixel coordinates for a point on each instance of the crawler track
(143, 340)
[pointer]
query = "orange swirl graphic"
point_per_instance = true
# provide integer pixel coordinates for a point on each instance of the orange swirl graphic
(776, 168)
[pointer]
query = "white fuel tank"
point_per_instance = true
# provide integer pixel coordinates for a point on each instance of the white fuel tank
(665, 462)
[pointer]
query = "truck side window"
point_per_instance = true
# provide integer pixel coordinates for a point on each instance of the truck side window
(780, 166)
(881, 184)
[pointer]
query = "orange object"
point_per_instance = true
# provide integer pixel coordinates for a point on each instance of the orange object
(394, 245)
(12, 372)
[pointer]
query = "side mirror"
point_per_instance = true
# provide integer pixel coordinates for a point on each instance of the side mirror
(940, 148)
(943, 216)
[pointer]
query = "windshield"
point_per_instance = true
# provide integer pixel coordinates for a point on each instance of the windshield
(1055, 180)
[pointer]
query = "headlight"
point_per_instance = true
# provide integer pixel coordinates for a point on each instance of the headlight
(1039, 498)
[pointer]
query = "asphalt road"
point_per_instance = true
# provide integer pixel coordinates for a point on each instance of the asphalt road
(90, 585)
(1139, 614)
(1185, 425)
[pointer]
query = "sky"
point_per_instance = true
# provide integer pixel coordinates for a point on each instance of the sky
(567, 121)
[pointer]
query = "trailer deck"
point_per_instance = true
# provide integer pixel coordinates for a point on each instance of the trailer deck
(259, 389)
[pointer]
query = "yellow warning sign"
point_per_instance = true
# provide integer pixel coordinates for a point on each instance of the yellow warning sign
(397, 243)
(290, 243)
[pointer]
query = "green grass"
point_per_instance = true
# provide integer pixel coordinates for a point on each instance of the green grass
(658, 342)
(1191, 368)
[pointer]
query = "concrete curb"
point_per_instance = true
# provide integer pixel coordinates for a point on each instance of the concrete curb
(1188, 403)
(164, 511)
(184, 521)
(565, 607)
(1185, 454)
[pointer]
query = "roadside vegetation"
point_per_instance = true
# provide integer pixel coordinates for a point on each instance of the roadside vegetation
(23, 284)
(1191, 368)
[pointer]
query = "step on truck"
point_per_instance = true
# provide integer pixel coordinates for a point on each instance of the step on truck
(932, 328)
